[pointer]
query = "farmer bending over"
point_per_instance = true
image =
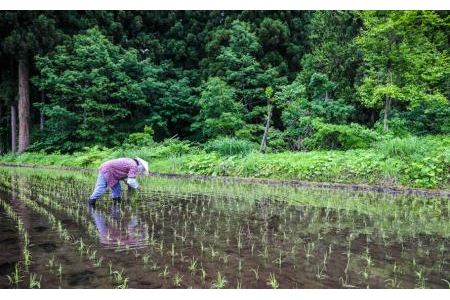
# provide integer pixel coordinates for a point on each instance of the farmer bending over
(111, 172)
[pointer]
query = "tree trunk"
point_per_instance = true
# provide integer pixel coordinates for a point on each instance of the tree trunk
(41, 119)
(24, 106)
(13, 129)
(263, 147)
(372, 117)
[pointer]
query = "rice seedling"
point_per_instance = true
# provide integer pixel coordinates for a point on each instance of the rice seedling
(120, 279)
(177, 280)
(60, 272)
(15, 276)
(420, 283)
(203, 275)
(238, 283)
(154, 267)
(146, 259)
(165, 274)
(345, 283)
(279, 260)
(92, 255)
(98, 262)
(224, 258)
(26, 257)
(193, 266)
(34, 283)
(81, 246)
(172, 252)
(264, 254)
(272, 281)
(255, 272)
(213, 252)
(161, 247)
(309, 248)
(220, 282)
(51, 262)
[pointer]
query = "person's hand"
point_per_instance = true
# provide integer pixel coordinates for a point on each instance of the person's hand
(139, 188)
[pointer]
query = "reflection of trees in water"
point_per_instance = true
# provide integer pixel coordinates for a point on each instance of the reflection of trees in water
(119, 230)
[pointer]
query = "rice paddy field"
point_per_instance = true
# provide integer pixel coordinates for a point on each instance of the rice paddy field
(180, 233)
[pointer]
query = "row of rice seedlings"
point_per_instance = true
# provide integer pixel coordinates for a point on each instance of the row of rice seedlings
(64, 234)
(17, 275)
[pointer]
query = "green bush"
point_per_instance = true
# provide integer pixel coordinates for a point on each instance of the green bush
(140, 139)
(202, 164)
(429, 172)
(230, 146)
(345, 137)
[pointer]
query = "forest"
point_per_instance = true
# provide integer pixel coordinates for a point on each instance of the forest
(209, 92)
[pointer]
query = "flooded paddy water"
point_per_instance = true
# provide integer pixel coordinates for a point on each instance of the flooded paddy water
(181, 233)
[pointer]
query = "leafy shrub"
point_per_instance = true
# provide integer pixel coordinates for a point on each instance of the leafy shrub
(298, 117)
(276, 140)
(175, 147)
(203, 164)
(331, 136)
(90, 157)
(428, 172)
(397, 126)
(230, 146)
(251, 132)
(140, 139)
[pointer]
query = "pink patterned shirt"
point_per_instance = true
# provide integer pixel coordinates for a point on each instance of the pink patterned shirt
(118, 169)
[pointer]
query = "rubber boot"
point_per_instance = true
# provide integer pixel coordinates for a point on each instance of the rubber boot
(91, 202)
(117, 200)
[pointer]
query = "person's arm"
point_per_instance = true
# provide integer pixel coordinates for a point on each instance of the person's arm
(132, 182)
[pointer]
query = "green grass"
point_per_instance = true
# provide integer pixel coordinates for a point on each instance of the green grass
(409, 162)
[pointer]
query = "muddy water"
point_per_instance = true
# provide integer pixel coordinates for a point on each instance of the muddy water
(185, 234)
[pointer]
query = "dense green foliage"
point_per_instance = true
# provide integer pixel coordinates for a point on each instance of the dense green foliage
(99, 76)
(412, 162)
(194, 90)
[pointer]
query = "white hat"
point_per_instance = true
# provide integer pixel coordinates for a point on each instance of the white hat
(144, 164)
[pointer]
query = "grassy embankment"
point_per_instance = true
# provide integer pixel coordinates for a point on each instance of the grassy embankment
(409, 162)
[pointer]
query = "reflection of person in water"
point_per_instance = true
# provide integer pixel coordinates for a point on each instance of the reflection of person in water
(112, 233)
